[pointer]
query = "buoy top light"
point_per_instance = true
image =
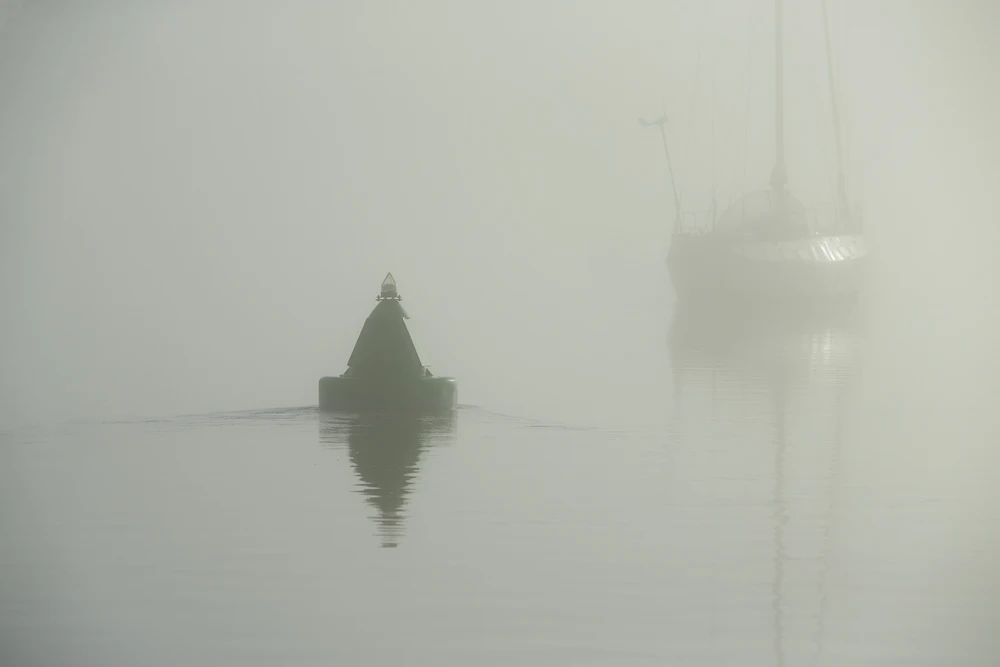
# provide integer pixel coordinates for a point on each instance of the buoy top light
(388, 288)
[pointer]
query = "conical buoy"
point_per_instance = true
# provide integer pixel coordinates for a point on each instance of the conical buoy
(384, 372)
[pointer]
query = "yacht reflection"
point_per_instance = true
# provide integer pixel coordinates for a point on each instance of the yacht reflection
(792, 355)
(385, 451)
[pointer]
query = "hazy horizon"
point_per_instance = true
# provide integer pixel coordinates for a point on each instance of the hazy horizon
(200, 200)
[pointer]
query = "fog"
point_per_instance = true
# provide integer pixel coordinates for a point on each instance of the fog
(200, 199)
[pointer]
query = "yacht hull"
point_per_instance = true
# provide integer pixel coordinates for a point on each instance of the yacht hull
(701, 267)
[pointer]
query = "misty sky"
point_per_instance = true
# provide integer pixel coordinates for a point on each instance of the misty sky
(199, 199)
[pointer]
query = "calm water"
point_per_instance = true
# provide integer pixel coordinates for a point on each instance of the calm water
(794, 492)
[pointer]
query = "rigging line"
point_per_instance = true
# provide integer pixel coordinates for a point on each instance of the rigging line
(826, 159)
(746, 110)
(694, 88)
(714, 208)
(844, 70)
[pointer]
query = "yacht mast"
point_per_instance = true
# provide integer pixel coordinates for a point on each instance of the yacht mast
(841, 180)
(778, 176)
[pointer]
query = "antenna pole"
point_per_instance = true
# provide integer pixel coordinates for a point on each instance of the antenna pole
(670, 167)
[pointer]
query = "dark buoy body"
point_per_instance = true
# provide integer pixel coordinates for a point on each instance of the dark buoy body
(344, 393)
(384, 372)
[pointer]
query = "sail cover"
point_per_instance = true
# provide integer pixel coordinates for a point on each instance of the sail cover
(384, 347)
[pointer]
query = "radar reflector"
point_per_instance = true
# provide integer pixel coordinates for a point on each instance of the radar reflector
(388, 288)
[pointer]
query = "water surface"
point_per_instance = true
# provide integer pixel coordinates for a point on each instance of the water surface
(786, 504)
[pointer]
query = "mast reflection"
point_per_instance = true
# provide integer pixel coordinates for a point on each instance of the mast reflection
(796, 357)
(385, 451)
